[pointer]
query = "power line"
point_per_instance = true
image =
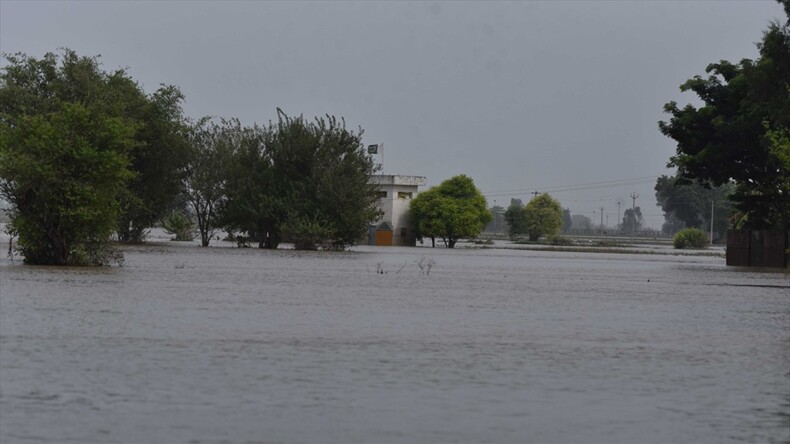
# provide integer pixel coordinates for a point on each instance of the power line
(576, 187)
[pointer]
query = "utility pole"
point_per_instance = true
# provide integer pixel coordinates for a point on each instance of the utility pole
(619, 221)
(535, 193)
(711, 221)
(601, 221)
(633, 214)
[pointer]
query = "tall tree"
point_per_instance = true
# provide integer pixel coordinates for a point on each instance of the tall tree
(157, 159)
(632, 220)
(514, 216)
(250, 204)
(542, 216)
(728, 137)
(211, 145)
(452, 210)
(322, 173)
(691, 205)
(64, 156)
(304, 180)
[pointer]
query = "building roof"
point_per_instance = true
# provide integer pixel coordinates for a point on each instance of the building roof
(397, 179)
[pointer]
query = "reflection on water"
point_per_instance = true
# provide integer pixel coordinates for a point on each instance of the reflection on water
(185, 344)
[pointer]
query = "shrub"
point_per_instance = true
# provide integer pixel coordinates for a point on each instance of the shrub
(179, 224)
(690, 238)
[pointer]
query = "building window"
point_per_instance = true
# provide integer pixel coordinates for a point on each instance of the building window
(381, 194)
(404, 195)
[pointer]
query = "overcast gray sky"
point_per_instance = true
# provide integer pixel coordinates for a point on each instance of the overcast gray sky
(520, 96)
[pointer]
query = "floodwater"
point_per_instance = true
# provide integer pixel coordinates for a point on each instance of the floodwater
(190, 345)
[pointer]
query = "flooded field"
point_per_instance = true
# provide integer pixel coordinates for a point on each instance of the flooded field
(193, 345)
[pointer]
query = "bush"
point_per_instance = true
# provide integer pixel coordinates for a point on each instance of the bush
(690, 238)
(179, 224)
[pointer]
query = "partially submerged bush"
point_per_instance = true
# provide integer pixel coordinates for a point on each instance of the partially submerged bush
(180, 225)
(690, 238)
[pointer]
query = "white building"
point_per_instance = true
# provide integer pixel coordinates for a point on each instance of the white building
(395, 195)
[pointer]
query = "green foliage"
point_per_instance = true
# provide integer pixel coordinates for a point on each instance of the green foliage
(325, 174)
(64, 157)
(516, 222)
(689, 205)
(210, 148)
(542, 217)
(632, 220)
(729, 137)
(179, 224)
(251, 204)
(158, 157)
(452, 210)
(305, 181)
(308, 233)
(690, 238)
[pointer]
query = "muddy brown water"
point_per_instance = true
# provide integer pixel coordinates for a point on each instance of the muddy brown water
(190, 345)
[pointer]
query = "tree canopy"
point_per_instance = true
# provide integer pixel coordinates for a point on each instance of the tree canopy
(736, 134)
(542, 216)
(109, 150)
(211, 145)
(514, 216)
(65, 148)
(305, 181)
(689, 205)
(632, 220)
(324, 174)
(452, 210)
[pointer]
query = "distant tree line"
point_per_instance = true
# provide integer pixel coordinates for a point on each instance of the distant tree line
(87, 154)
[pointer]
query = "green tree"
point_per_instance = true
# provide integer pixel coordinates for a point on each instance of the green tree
(543, 217)
(251, 193)
(304, 180)
(65, 145)
(322, 174)
(452, 210)
(632, 220)
(63, 172)
(210, 148)
(516, 221)
(157, 159)
(179, 224)
(689, 205)
(728, 138)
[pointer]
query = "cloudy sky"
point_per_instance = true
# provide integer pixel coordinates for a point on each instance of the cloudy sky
(561, 97)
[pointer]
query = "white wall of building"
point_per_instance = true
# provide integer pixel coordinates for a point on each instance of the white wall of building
(400, 191)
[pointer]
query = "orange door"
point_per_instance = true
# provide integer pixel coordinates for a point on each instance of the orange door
(384, 237)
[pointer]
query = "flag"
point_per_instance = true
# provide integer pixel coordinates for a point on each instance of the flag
(373, 149)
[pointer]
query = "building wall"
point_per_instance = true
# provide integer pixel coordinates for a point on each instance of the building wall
(396, 209)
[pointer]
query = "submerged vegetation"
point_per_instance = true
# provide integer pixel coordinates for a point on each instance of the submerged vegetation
(86, 155)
